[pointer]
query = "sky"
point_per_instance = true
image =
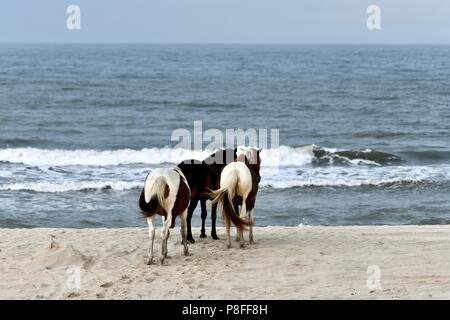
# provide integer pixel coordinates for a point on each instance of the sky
(225, 21)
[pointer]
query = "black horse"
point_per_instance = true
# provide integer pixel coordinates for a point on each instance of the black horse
(204, 176)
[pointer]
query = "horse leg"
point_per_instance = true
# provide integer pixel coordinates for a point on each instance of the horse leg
(236, 209)
(165, 247)
(241, 230)
(204, 215)
(163, 220)
(164, 237)
(151, 234)
(183, 232)
(227, 227)
(191, 209)
(250, 232)
(213, 221)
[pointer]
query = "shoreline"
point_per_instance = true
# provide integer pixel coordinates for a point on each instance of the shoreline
(308, 262)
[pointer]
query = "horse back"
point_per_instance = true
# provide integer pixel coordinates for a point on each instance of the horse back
(219, 159)
(195, 173)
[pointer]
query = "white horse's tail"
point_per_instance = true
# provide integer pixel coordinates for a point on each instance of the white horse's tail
(225, 195)
(160, 192)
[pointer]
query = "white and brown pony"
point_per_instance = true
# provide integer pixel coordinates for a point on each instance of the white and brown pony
(166, 192)
(238, 187)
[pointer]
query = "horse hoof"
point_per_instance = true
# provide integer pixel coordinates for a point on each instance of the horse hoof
(191, 240)
(203, 235)
(161, 261)
(149, 262)
(228, 246)
(242, 245)
(186, 252)
(215, 237)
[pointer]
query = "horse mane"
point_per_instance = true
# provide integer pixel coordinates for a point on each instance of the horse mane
(252, 155)
(251, 158)
(242, 158)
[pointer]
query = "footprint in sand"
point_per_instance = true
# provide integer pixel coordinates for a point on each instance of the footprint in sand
(107, 285)
(126, 279)
(150, 280)
(72, 295)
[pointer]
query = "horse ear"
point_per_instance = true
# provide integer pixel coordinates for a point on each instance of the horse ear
(259, 150)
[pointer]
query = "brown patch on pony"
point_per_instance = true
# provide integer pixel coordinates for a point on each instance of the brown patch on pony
(254, 165)
(181, 201)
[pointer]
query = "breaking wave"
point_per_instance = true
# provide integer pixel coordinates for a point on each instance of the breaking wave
(282, 168)
(59, 186)
(282, 156)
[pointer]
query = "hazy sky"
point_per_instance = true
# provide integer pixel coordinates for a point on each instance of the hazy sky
(226, 21)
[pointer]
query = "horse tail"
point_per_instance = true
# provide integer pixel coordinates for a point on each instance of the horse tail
(160, 192)
(225, 196)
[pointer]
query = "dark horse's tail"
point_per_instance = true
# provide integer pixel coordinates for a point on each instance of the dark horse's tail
(160, 192)
(225, 196)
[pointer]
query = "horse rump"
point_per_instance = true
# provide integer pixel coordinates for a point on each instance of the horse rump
(225, 195)
(229, 210)
(155, 203)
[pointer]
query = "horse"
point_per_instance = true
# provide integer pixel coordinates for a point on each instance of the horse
(166, 193)
(238, 187)
(203, 176)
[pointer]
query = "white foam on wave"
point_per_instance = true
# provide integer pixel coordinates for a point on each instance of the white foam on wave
(355, 177)
(358, 162)
(67, 186)
(288, 177)
(282, 156)
(283, 167)
(5, 173)
(59, 157)
(287, 156)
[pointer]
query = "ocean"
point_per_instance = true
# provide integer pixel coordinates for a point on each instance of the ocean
(364, 130)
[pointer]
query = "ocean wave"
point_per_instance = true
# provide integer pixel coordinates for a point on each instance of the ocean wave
(281, 156)
(364, 157)
(293, 183)
(282, 168)
(427, 155)
(60, 157)
(271, 178)
(66, 186)
(393, 176)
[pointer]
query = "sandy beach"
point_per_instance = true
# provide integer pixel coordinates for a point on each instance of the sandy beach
(285, 263)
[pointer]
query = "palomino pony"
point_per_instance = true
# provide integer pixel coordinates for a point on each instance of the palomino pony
(238, 187)
(166, 192)
(203, 176)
